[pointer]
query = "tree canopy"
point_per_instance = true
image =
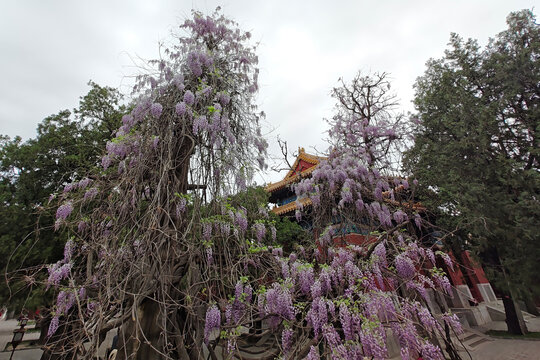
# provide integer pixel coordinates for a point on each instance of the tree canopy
(477, 147)
(367, 118)
(67, 146)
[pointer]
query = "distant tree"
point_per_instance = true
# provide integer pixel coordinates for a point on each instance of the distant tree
(367, 118)
(66, 146)
(290, 234)
(477, 151)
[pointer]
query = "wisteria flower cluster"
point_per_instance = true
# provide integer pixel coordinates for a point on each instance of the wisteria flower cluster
(192, 137)
(158, 250)
(347, 308)
(351, 297)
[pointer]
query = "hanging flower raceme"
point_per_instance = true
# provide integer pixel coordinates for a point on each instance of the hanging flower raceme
(278, 304)
(212, 322)
(64, 211)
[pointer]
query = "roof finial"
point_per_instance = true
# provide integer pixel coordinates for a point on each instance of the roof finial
(301, 150)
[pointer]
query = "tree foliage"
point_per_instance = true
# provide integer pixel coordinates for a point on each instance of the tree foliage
(66, 146)
(477, 147)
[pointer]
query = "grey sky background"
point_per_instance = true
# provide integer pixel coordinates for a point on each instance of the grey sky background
(49, 50)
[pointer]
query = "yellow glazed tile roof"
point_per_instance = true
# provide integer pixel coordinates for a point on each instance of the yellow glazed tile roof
(284, 209)
(292, 176)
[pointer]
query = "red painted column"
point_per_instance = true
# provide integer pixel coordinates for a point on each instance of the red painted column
(475, 273)
(476, 268)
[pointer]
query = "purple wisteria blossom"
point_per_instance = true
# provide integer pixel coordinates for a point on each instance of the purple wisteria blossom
(380, 252)
(313, 354)
(212, 323)
(429, 322)
(195, 63)
(418, 220)
(82, 293)
(58, 272)
(405, 184)
(200, 124)
(298, 215)
(180, 207)
(273, 233)
(346, 321)
(70, 187)
(405, 266)
(207, 230)
(241, 220)
(316, 289)
(117, 149)
(53, 326)
(400, 216)
(64, 211)
(430, 255)
(84, 183)
(90, 193)
(453, 321)
(447, 259)
(260, 231)
(224, 98)
(64, 302)
(156, 109)
(106, 162)
(278, 252)
(278, 303)
(91, 306)
(430, 351)
(209, 255)
(128, 120)
(317, 315)
(189, 98)
(305, 278)
(81, 226)
(180, 108)
(178, 80)
(444, 283)
(286, 340)
(68, 250)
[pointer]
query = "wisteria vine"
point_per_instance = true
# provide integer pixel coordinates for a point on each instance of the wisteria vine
(161, 253)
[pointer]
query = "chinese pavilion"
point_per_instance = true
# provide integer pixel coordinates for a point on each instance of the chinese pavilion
(281, 193)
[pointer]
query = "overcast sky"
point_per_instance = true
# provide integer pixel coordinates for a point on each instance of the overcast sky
(49, 50)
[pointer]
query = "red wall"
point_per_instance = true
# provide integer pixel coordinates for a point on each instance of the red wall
(456, 276)
(475, 270)
(302, 165)
(354, 239)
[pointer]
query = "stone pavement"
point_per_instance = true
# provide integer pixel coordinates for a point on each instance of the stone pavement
(505, 349)
(6, 334)
(28, 354)
(508, 349)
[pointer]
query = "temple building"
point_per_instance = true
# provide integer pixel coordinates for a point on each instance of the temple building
(281, 193)
(471, 289)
